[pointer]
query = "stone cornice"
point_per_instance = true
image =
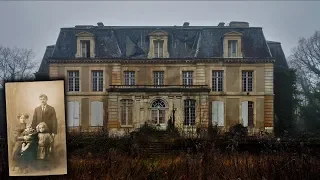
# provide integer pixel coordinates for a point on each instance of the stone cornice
(164, 61)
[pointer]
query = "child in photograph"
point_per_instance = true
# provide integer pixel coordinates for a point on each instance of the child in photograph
(28, 149)
(18, 140)
(44, 145)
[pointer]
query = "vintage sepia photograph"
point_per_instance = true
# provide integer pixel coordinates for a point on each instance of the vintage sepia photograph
(36, 128)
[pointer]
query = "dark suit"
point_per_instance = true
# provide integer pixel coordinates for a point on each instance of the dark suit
(48, 116)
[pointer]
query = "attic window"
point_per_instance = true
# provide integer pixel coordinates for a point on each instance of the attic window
(158, 44)
(85, 48)
(232, 44)
(232, 48)
(85, 45)
(158, 48)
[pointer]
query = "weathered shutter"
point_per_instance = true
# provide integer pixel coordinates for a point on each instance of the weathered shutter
(70, 119)
(244, 115)
(220, 112)
(214, 113)
(76, 113)
(96, 113)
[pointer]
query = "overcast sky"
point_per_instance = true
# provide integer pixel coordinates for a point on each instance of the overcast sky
(37, 24)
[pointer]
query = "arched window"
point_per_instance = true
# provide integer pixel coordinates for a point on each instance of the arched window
(158, 111)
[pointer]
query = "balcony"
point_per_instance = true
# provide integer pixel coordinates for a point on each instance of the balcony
(158, 88)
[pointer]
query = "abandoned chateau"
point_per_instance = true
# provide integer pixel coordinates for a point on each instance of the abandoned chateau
(120, 77)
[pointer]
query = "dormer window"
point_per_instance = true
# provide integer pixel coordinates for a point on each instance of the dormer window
(85, 45)
(232, 48)
(232, 45)
(85, 48)
(158, 45)
(158, 48)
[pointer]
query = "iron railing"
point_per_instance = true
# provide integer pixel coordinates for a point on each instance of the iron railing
(159, 88)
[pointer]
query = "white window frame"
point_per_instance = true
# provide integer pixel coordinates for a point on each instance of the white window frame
(156, 44)
(217, 80)
(128, 107)
(73, 80)
(247, 80)
(97, 80)
(187, 78)
(83, 45)
(158, 78)
(232, 45)
(129, 78)
(189, 112)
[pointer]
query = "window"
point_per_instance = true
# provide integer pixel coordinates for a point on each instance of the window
(232, 48)
(189, 112)
(158, 48)
(158, 78)
(97, 80)
(218, 113)
(73, 114)
(187, 78)
(217, 80)
(85, 48)
(73, 81)
(129, 78)
(247, 80)
(96, 113)
(126, 112)
(158, 111)
(247, 113)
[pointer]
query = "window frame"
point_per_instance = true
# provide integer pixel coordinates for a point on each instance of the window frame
(158, 78)
(127, 105)
(74, 86)
(189, 112)
(129, 78)
(217, 80)
(246, 79)
(97, 80)
(87, 48)
(157, 48)
(187, 78)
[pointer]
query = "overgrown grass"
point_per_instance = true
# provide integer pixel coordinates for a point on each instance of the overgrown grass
(100, 157)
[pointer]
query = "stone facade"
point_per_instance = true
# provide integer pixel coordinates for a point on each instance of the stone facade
(232, 96)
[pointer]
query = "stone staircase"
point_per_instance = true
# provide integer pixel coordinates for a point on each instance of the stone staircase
(159, 144)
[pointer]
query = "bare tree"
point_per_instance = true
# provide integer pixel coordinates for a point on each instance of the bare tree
(16, 64)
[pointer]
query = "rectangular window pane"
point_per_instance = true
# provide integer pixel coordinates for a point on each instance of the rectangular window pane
(97, 80)
(129, 78)
(187, 78)
(232, 48)
(217, 80)
(156, 49)
(126, 112)
(158, 78)
(247, 81)
(73, 80)
(160, 49)
(189, 112)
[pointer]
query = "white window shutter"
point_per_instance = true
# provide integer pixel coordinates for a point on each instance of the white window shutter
(70, 114)
(214, 113)
(244, 107)
(76, 113)
(220, 113)
(96, 113)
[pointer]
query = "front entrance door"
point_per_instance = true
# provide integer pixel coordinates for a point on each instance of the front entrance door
(158, 114)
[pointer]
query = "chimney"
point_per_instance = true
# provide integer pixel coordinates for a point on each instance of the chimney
(185, 24)
(100, 24)
(221, 24)
(238, 24)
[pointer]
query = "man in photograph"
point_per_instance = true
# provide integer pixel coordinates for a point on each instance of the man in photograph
(47, 114)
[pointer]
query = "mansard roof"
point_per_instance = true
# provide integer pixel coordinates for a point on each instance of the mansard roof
(132, 42)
